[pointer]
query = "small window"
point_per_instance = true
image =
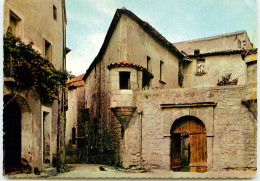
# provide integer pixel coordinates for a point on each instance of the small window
(161, 70)
(124, 78)
(73, 135)
(146, 80)
(149, 66)
(48, 54)
(239, 43)
(54, 12)
(15, 23)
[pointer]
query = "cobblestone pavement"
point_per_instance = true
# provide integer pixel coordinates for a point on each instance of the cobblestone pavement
(93, 171)
(83, 171)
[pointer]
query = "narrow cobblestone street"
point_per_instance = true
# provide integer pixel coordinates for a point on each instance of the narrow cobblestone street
(93, 171)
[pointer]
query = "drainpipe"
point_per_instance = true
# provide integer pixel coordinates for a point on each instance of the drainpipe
(141, 138)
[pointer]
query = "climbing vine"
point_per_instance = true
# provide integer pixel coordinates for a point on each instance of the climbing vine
(30, 69)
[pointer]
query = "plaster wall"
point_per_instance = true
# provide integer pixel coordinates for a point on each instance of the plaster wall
(71, 114)
(31, 140)
(216, 43)
(140, 45)
(37, 24)
(215, 68)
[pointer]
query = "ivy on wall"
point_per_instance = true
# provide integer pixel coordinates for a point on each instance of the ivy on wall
(30, 69)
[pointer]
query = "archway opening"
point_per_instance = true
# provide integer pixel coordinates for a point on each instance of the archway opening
(189, 145)
(12, 135)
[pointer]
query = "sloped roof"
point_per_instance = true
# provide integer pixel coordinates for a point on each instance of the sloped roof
(219, 43)
(76, 81)
(214, 37)
(144, 25)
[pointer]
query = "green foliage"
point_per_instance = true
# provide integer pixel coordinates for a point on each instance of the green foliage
(30, 69)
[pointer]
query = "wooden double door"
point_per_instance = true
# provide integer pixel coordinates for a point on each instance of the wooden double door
(189, 145)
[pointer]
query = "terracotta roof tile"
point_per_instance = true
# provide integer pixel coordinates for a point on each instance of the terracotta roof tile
(76, 81)
(226, 52)
(125, 64)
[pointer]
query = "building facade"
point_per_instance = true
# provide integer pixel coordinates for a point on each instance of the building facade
(188, 106)
(75, 134)
(35, 124)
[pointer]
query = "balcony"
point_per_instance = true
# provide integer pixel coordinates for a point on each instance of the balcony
(9, 71)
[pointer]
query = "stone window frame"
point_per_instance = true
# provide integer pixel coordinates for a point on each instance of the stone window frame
(128, 80)
(200, 66)
(48, 112)
(47, 50)
(17, 29)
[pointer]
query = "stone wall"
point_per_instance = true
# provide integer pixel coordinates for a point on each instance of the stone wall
(71, 114)
(36, 23)
(146, 141)
(231, 130)
(31, 140)
(215, 67)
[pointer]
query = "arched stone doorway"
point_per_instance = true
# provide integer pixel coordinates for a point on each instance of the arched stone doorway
(189, 145)
(17, 127)
(12, 135)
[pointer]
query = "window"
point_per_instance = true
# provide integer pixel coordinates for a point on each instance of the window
(15, 23)
(124, 79)
(239, 43)
(200, 66)
(54, 12)
(73, 135)
(161, 70)
(47, 52)
(149, 66)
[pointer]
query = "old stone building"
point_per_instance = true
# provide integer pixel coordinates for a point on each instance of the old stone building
(33, 128)
(188, 106)
(76, 122)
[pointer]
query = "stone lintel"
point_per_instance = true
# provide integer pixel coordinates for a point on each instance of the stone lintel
(181, 105)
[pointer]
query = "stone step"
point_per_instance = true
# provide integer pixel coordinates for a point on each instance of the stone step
(49, 172)
(46, 165)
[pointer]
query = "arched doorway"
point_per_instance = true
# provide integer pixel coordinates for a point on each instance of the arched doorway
(12, 135)
(189, 145)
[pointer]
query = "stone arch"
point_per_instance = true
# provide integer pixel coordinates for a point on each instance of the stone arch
(25, 123)
(188, 144)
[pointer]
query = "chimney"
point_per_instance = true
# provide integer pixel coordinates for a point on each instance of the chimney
(196, 51)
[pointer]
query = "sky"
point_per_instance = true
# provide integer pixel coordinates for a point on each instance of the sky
(177, 20)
